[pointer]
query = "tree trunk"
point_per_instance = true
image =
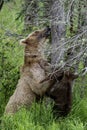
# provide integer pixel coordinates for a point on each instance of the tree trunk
(84, 23)
(57, 30)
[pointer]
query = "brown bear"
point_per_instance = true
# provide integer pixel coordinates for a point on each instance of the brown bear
(61, 93)
(29, 86)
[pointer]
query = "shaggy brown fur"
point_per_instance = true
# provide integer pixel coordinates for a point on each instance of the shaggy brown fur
(32, 73)
(61, 92)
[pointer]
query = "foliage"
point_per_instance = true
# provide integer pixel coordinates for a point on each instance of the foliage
(10, 54)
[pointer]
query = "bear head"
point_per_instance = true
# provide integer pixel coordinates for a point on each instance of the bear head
(37, 37)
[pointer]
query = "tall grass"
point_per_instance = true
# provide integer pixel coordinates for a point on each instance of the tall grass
(40, 117)
(37, 117)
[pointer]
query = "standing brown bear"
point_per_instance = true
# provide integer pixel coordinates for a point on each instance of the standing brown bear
(29, 86)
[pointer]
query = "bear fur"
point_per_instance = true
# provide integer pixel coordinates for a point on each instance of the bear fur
(29, 86)
(61, 93)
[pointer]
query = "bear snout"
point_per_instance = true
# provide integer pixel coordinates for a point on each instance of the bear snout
(45, 33)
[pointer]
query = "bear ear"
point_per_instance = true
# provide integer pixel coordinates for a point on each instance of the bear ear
(23, 41)
(75, 76)
(71, 75)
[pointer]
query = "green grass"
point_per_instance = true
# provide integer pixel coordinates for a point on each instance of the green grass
(38, 117)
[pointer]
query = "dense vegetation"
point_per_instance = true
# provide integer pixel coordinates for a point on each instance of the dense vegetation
(40, 116)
